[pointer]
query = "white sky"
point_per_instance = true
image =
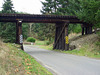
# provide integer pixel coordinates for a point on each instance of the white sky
(29, 6)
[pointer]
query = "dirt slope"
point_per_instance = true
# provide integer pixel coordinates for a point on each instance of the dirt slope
(80, 41)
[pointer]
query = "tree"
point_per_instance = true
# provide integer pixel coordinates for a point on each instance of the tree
(8, 7)
(43, 31)
(49, 6)
(25, 30)
(90, 12)
(7, 30)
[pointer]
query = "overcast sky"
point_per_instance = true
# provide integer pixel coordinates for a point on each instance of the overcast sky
(29, 6)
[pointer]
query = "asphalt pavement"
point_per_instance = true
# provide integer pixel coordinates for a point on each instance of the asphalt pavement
(64, 64)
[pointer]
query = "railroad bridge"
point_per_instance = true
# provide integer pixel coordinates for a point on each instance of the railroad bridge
(61, 23)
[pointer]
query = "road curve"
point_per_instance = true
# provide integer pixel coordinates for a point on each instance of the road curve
(64, 64)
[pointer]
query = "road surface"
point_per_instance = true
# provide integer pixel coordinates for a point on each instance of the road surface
(64, 64)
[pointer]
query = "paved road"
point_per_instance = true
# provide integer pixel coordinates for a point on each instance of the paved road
(64, 64)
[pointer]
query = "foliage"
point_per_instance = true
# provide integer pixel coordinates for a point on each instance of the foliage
(90, 12)
(7, 30)
(49, 42)
(75, 28)
(44, 31)
(8, 7)
(31, 39)
(25, 30)
(97, 43)
(60, 7)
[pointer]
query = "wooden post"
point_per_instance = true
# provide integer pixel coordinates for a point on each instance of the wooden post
(60, 37)
(90, 30)
(55, 38)
(86, 30)
(66, 37)
(82, 26)
(19, 36)
(82, 30)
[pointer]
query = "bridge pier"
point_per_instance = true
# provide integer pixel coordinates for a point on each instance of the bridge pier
(66, 37)
(86, 28)
(61, 36)
(19, 36)
(83, 29)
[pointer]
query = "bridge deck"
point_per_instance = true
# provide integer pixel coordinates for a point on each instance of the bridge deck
(38, 18)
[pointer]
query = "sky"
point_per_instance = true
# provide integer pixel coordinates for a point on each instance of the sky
(28, 6)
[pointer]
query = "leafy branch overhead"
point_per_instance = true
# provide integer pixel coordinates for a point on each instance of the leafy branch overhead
(90, 12)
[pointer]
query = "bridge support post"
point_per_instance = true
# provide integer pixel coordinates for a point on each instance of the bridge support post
(19, 36)
(88, 30)
(83, 29)
(66, 37)
(61, 36)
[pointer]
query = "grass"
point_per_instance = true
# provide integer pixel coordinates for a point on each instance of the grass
(40, 42)
(43, 45)
(85, 51)
(14, 61)
(48, 47)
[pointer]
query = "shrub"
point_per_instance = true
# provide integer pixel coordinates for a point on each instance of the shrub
(31, 39)
(97, 43)
(49, 42)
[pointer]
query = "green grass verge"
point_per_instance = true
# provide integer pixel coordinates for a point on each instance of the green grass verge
(32, 67)
(85, 51)
(43, 45)
(48, 47)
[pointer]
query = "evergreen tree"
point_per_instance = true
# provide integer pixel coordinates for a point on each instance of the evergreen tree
(90, 12)
(7, 30)
(60, 7)
(49, 6)
(8, 7)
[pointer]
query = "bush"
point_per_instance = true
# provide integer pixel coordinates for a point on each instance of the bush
(49, 42)
(77, 28)
(97, 43)
(31, 39)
